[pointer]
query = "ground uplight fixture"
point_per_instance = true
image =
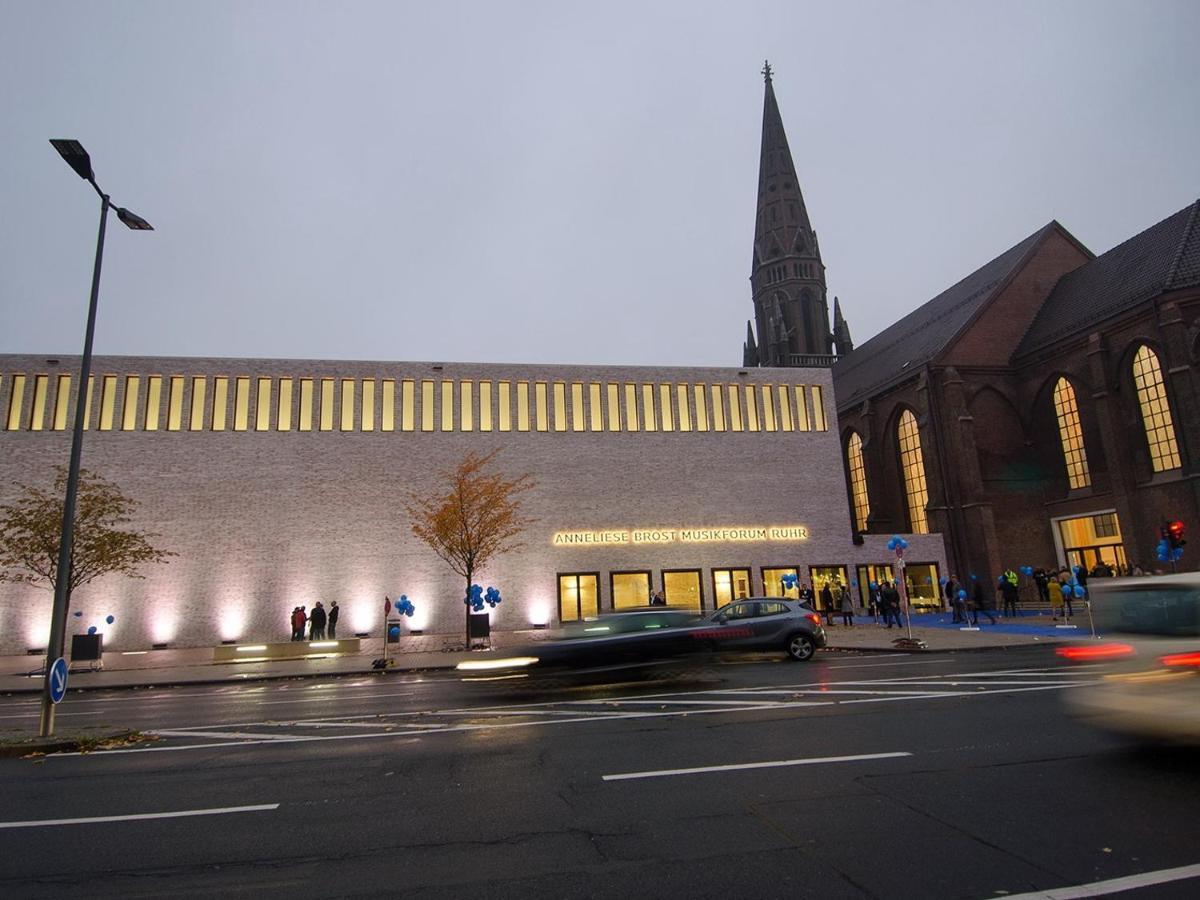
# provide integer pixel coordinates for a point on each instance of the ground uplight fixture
(77, 158)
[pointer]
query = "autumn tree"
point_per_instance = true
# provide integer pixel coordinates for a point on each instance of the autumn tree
(473, 516)
(31, 530)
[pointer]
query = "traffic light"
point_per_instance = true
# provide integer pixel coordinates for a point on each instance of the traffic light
(1174, 534)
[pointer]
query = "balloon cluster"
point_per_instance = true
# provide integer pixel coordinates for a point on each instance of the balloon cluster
(1167, 553)
(477, 596)
(404, 606)
(1074, 589)
(895, 542)
(789, 580)
(92, 628)
(1027, 571)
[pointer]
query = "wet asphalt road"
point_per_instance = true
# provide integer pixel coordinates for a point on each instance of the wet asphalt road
(951, 775)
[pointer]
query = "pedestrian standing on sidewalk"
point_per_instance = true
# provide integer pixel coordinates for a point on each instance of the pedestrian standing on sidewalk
(316, 630)
(983, 600)
(846, 604)
(1041, 578)
(333, 617)
(1010, 592)
(950, 590)
(1054, 590)
(806, 595)
(827, 603)
(300, 619)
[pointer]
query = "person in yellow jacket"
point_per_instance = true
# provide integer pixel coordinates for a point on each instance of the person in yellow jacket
(1056, 596)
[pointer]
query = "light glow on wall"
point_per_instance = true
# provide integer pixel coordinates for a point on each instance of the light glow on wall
(163, 625)
(539, 613)
(364, 613)
(420, 617)
(231, 620)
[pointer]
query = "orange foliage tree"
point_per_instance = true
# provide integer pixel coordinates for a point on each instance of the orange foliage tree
(472, 517)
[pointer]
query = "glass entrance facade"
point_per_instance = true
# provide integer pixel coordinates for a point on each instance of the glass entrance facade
(578, 596)
(827, 575)
(924, 587)
(630, 589)
(1089, 540)
(681, 587)
(867, 574)
(730, 585)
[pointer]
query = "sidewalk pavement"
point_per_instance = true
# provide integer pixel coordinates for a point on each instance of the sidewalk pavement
(158, 668)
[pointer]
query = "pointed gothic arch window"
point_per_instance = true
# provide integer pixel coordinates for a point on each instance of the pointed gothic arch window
(858, 481)
(1155, 409)
(1070, 433)
(912, 465)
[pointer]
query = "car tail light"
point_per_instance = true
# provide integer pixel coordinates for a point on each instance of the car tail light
(1095, 651)
(1181, 660)
(814, 618)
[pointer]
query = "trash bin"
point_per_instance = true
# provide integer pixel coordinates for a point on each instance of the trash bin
(480, 625)
(86, 647)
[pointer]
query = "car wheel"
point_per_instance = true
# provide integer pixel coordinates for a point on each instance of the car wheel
(800, 647)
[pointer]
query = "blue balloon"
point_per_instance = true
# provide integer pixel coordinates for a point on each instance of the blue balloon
(394, 631)
(404, 598)
(91, 629)
(78, 613)
(1079, 591)
(943, 581)
(973, 577)
(874, 585)
(110, 619)
(962, 595)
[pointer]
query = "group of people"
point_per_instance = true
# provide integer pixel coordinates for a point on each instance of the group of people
(320, 624)
(837, 599)
(968, 602)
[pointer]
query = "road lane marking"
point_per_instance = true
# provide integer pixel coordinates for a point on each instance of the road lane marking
(774, 764)
(1111, 886)
(231, 735)
(40, 823)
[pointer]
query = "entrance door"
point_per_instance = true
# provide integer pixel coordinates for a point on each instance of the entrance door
(773, 582)
(681, 587)
(578, 596)
(730, 585)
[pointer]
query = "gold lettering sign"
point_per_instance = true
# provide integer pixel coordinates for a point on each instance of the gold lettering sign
(690, 535)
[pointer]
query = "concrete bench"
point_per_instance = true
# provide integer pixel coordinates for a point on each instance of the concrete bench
(285, 650)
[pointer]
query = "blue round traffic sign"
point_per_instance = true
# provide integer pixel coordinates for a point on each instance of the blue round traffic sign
(58, 680)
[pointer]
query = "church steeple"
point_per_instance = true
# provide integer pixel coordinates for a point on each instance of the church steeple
(841, 330)
(787, 277)
(750, 348)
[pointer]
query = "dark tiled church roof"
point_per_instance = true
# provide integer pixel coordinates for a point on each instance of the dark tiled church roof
(914, 340)
(1164, 257)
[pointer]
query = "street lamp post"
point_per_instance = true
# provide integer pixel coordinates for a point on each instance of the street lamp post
(77, 158)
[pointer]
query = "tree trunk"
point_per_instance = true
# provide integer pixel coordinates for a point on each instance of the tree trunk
(467, 605)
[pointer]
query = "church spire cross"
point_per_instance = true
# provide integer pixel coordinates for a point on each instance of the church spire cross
(766, 71)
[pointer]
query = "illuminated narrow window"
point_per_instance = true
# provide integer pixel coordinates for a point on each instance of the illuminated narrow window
(447, 406)
(595, 407)
(504, 403)
(912, 464)
(427, 405)
(735, 409)
(175, 404)
(818, 398)
(649, 420)
(262, 406)
(283, 410)
(541, 414)
(631, 413)
(387, 404)
(366, 411)
(62, 403)
(698, 393)
(304, 415)
(751, 408)
(108, 401)
(718, 409)
(577, 419)
(685, 412)
(346, 419)
(16, 400)
(802, 420)
(768, 408)
(664, 402)
(614, 407)
(220, 403)
(522, 406)
(485, 406)
(858, 481)
(1156, 410)
(1070, 433)
(560, 406)
(325, 423)
(129, 406)
(37, 412)
(196, 419)
(153, 402)
(87, 403)
(408, 399)
(466, 400)
(785, 408)
(241, 403)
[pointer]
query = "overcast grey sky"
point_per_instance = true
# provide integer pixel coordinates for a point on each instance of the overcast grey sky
(556, 181)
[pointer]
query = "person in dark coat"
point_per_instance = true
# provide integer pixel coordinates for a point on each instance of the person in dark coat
(333, 617)
(1042, 579)
(1010, 592)
(316, 631)
(827, 603)
(983, 600)
(950, 590)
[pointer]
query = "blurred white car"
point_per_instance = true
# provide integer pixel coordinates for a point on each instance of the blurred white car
(1150, 638)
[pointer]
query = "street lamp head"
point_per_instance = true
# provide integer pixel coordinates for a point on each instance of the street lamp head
(77, 158)
(133, 220)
